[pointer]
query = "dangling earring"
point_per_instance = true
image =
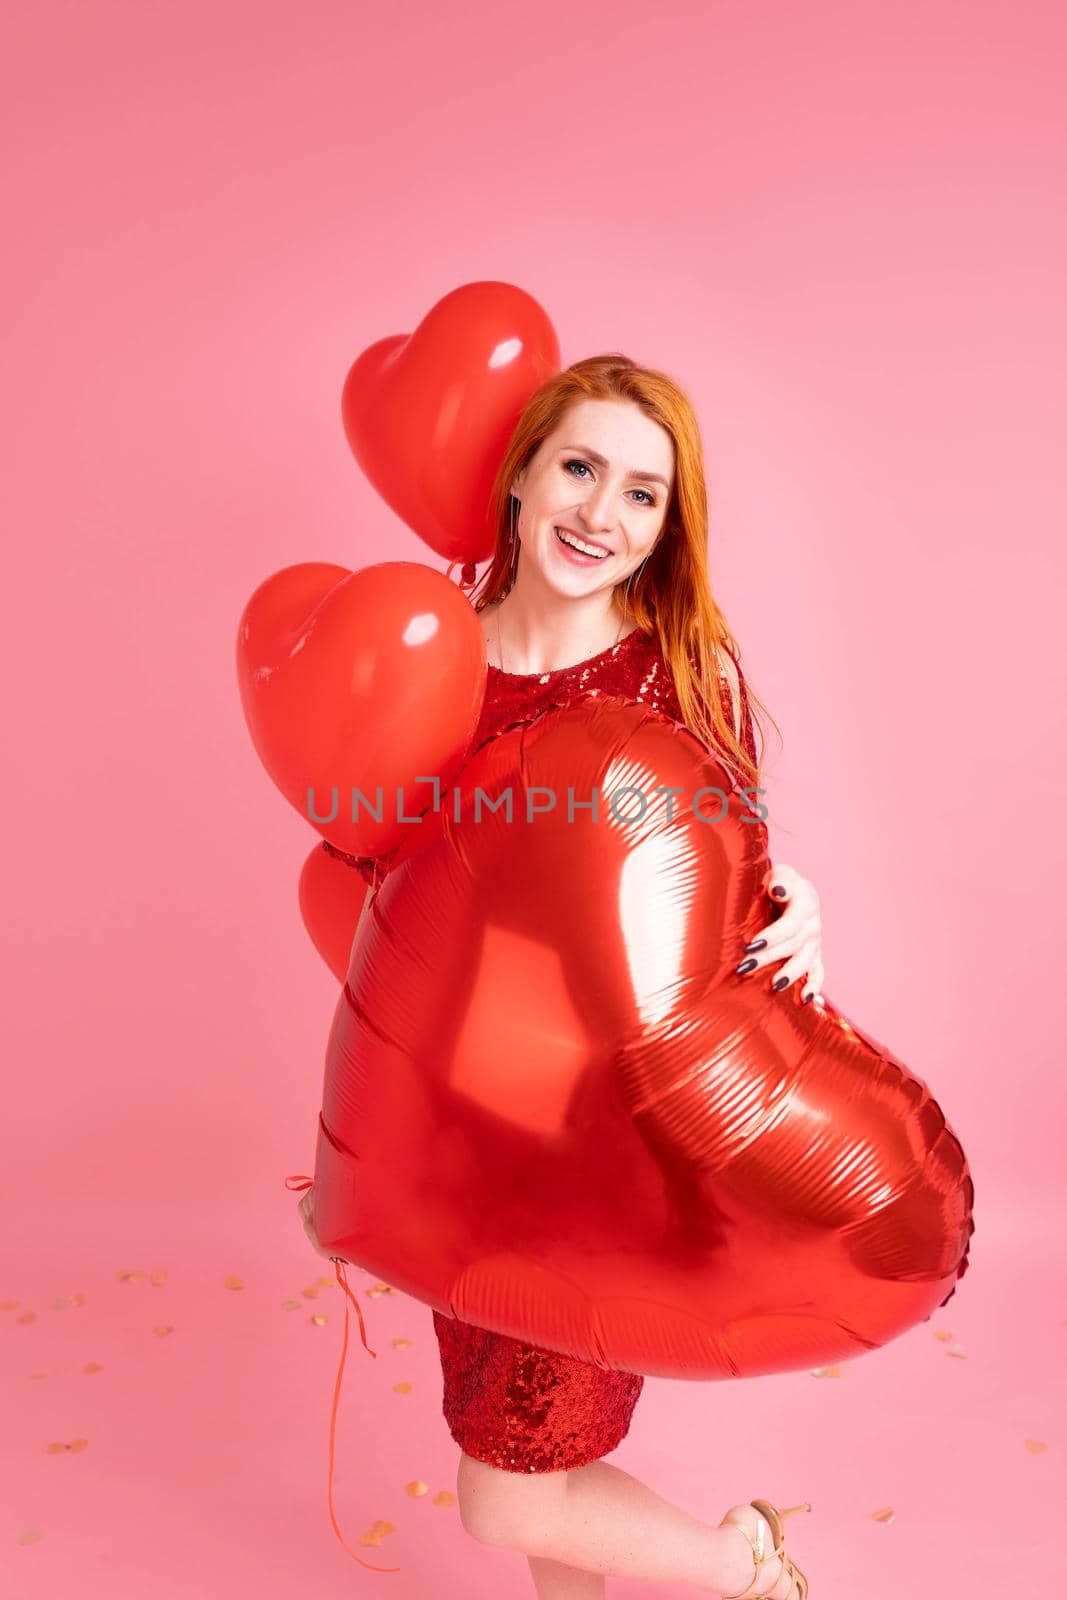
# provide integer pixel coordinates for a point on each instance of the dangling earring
(515, 505)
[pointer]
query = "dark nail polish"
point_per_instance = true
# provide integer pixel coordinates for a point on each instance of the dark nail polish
(808, 997)
(779, 890)
(757, 944)
(779, 983)
(746, 966)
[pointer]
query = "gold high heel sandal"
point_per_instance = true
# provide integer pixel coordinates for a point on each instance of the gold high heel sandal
(774, 1519)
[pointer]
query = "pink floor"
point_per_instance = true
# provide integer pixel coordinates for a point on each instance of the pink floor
(191, 1424)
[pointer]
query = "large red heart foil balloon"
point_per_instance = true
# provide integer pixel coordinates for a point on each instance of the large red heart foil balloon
(553, 1109)
(362, 692)
(428, 415)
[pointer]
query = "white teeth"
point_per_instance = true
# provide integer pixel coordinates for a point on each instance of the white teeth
(580, 544)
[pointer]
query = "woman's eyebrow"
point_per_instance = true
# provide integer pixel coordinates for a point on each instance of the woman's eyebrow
(646, 477)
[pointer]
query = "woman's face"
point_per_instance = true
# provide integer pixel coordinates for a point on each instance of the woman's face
(605, 475)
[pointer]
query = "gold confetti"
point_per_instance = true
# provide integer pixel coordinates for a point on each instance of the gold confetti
(886, 1514)
(402, 1344)
(956, 1350)
(826, 1372)
(92, 1366)
(77, 1299)
(27, 1316)
(443, 1498)
(1035, 1446)
(234, 1281)
(30, 1536)
(326, 1283)
(378, 1289)
(320, 1319)
(401, 1388)
(75, 1444)
(381, 1526)
(60, 1302)
(163, 1329)
(310, 1293)
(130, 1277)
(940, 1333)
(158, 1278)
(8, 1305)
(370, 1537)
(417, 1488)
(290, 1305)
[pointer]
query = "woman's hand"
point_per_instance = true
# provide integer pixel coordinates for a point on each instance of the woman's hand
(796, 934)
(305, 1206)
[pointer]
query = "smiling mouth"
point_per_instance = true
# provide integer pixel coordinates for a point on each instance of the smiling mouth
(580, 547)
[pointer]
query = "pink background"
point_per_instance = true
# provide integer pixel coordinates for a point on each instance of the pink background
(842, 228)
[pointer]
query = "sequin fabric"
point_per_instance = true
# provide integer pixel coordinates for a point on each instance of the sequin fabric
(507, 1402)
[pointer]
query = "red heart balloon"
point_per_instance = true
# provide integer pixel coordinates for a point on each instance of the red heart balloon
(554, 1110)
(363, 684)
(429, 415)
(331, 897)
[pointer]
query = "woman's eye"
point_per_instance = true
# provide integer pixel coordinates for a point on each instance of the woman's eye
(650, 499)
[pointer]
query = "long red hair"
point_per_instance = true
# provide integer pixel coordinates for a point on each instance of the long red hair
(672, 596)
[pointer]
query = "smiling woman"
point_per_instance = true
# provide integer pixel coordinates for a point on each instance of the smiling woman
(598, 585)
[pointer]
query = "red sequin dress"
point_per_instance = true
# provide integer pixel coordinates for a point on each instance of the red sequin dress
(507, 1402)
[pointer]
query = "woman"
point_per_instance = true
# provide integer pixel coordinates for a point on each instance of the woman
(599, 585)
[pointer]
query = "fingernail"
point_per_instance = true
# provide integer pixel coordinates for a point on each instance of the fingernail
(779, 889)
(746, 966)
(780, 983)
(808, 997)
(757, 944)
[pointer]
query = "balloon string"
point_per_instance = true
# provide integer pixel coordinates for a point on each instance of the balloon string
(296, 1182)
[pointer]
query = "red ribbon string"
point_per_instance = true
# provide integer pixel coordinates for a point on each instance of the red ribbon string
(296, 1182)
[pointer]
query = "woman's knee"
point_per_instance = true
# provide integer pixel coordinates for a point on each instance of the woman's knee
(497, 1507)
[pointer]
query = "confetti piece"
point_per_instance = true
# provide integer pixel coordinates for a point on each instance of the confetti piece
(60, 1303)
(163, 1329)
(402, 1344)
(401, 1388)
(60, 1446)
(8, 1305)
(443, 1498)
(310, 1293)
(38, 1374)
(158, 1278)
(1035, 1446)
(77, 1299)
(826, 1372)
(379, 1289)
(326, 1283)
(27, 1316)
(30, 1536)
(956, 1350)
(886, 1514)
(130, 1277)
(417, 1488)
(370, 1537)
(320, 1319)
(381, 1526)
(290, 1305)
(940, 1333)
(234, 1282)
(92, 1366)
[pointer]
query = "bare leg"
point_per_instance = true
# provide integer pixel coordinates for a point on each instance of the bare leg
(601, 1520)
(555, 1581)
